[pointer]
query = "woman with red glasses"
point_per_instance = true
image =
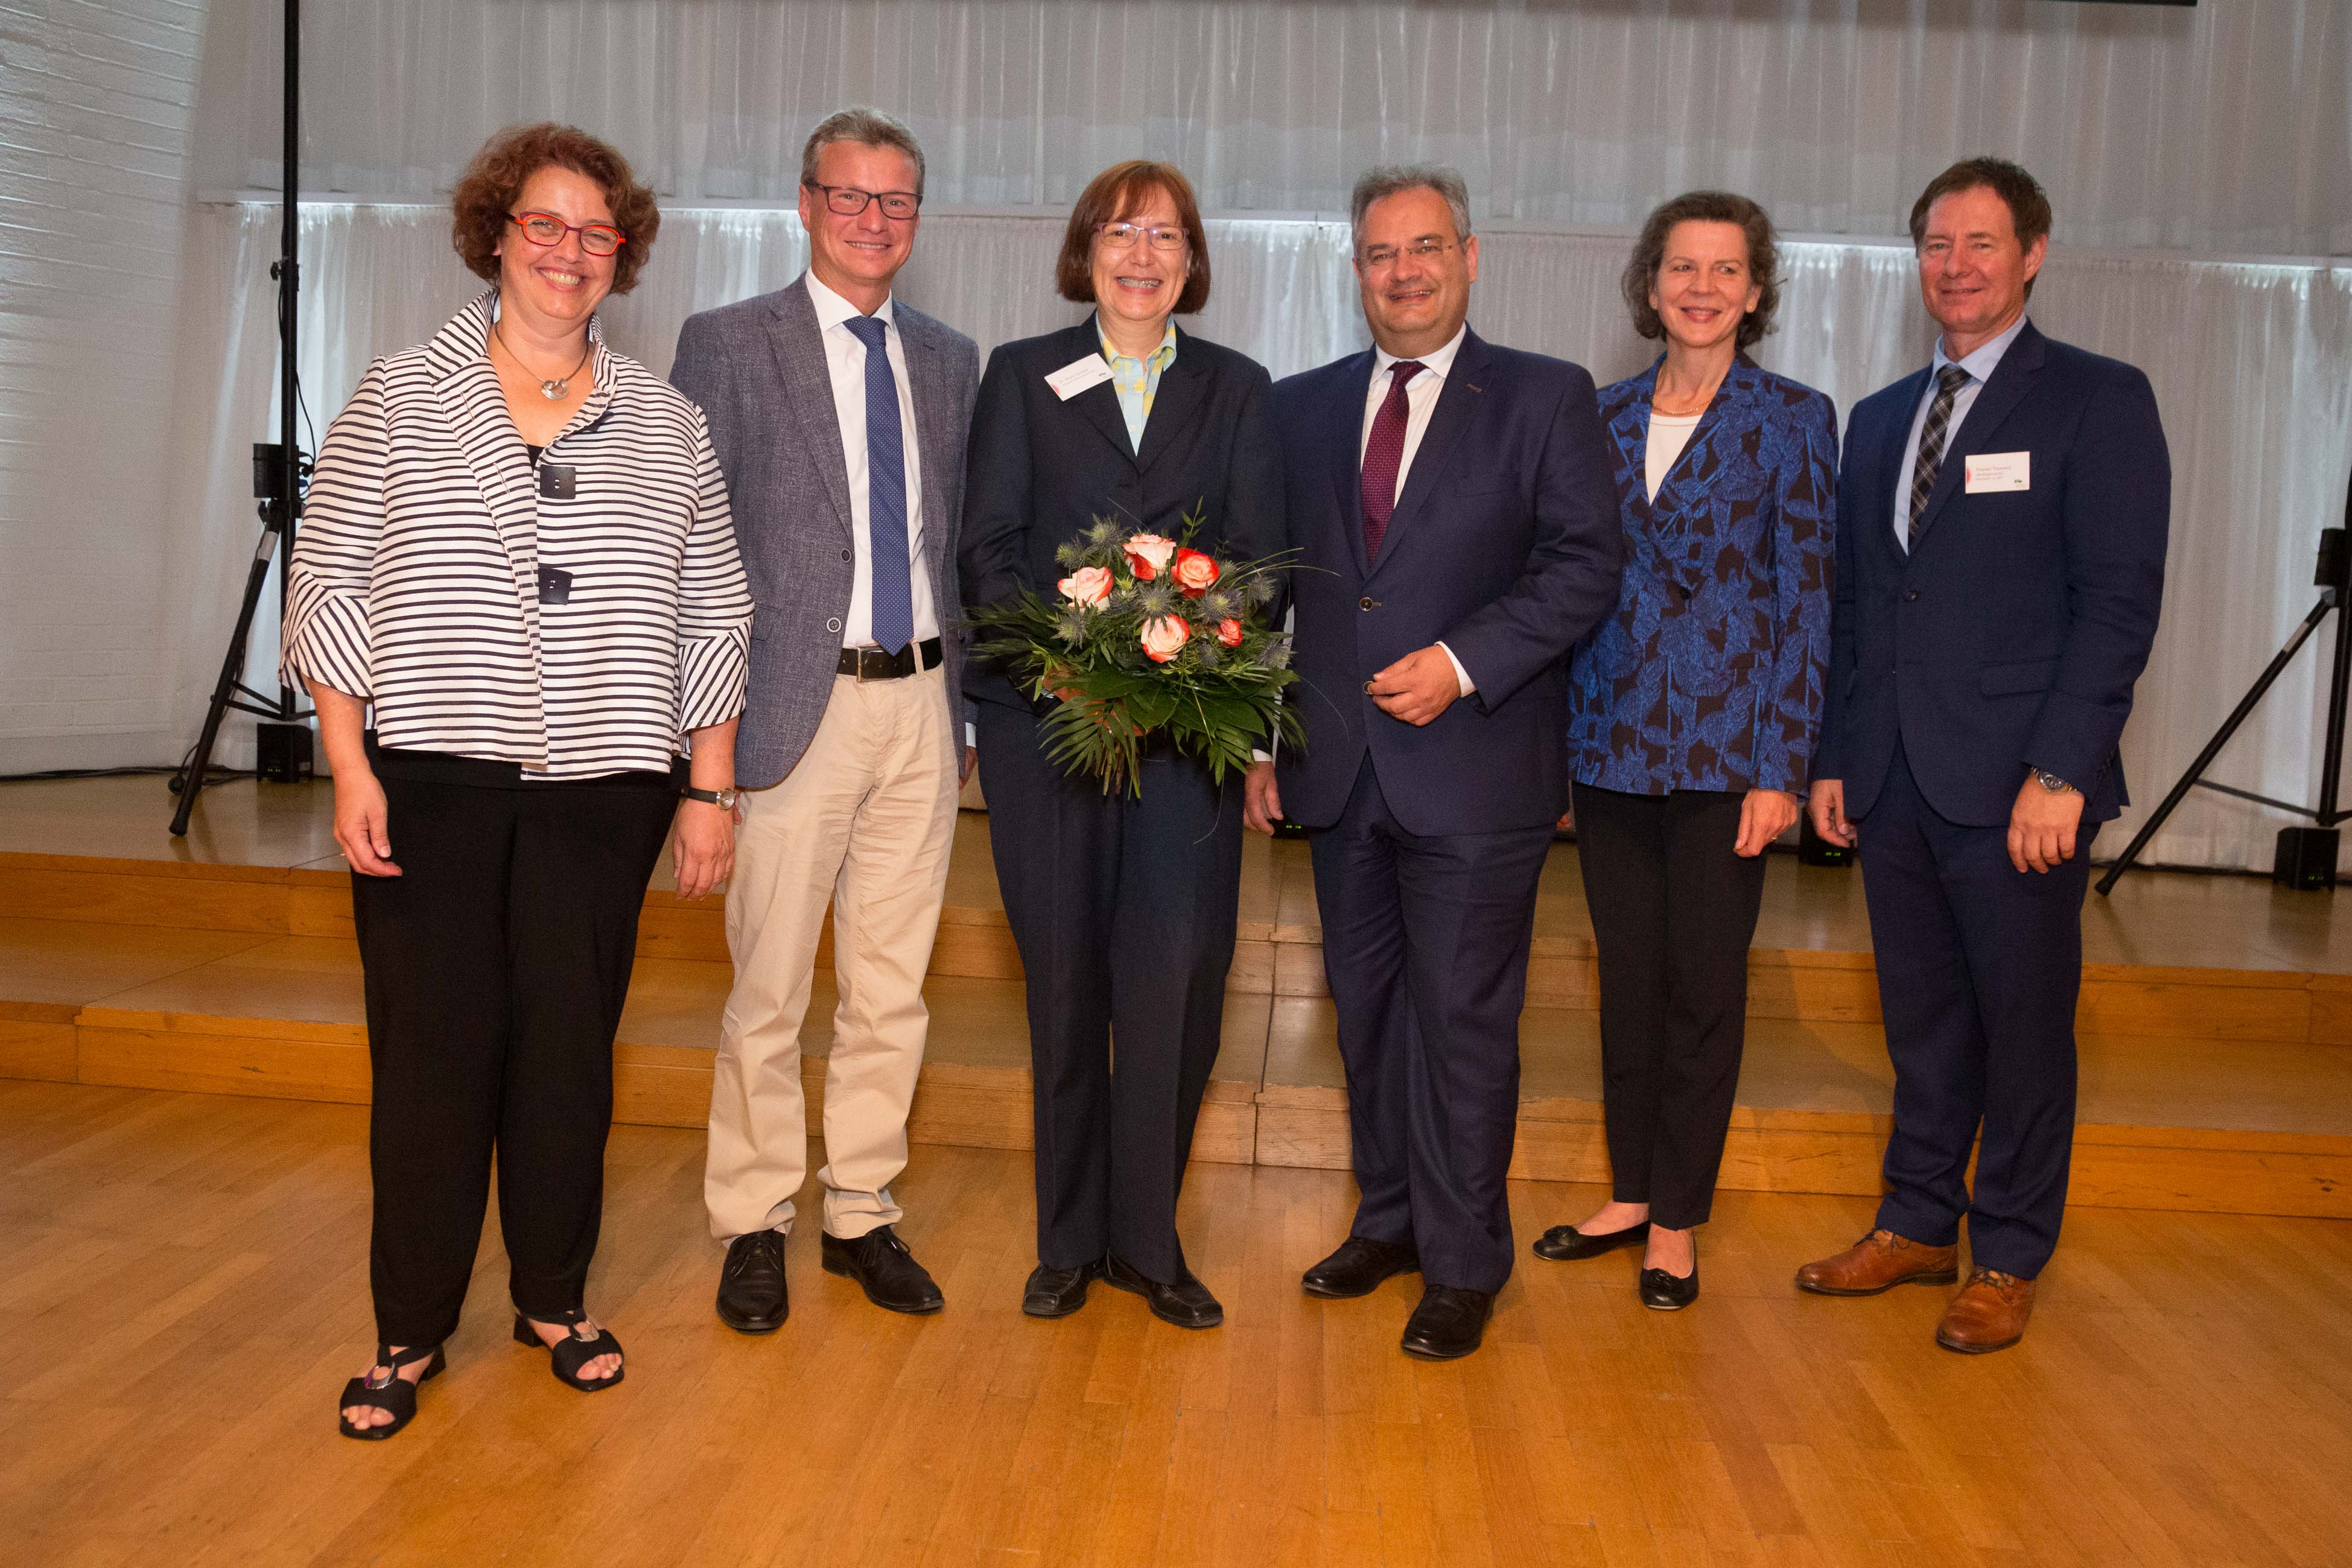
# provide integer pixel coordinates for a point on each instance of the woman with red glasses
(517, 551)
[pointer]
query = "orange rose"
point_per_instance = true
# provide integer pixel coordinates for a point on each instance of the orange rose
(1164, 637)
(1089, 585)
(1195, 572)
(1229, 632)
(1148, 555)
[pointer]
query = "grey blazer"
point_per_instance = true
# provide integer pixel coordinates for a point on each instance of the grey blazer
(758, 370)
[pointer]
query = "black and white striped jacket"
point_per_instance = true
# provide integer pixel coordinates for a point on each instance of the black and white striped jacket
(415, 579)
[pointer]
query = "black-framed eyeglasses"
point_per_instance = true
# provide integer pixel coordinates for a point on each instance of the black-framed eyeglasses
(1381, 258)
(851, 200)
(547, 229)
(1122, 236)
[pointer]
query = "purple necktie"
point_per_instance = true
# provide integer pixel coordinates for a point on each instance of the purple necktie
(1383, 456)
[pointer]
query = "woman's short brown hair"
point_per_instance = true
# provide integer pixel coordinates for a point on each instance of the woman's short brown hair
(1112, 194)
(1705, 208)
(487, 191)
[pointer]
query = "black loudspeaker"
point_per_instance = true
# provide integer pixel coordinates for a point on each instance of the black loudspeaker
(1814, 850)
(2306, 858)
(282, 752)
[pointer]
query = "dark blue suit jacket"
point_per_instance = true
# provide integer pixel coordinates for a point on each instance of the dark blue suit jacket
(1504, 544)
(2011, 637)
(1041, 469)
(1709, 674)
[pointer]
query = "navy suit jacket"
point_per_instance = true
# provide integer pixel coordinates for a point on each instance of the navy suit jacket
(2009, 639)
(1504, 546)
(1709, 674)
(1041, 469)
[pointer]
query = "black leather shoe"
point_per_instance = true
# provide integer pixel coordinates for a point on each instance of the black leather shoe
(1054, 1292)
(1358, 1268)
(880, 1262)
(751, 1284)
(1661, 1292)
(1186, 1304)
(1566, 1243)
(1449, 1322)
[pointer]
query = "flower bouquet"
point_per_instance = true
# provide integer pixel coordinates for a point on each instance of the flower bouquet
(1146, 637)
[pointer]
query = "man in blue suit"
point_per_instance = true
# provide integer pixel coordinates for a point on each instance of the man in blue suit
(2000, 568)
(1455, 505)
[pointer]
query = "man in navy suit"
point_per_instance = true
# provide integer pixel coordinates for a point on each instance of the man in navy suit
(2001, 564)
(1455, 505)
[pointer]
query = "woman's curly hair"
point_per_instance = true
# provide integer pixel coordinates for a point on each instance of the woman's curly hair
(486, 192)
(1713, 208)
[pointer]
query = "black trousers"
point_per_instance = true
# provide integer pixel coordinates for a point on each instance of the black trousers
(1673, 910)
(1425, 945)
(1124, 909)
(1979, 967)
(496, 964)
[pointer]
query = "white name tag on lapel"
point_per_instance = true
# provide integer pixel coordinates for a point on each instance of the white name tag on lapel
(1995, 471)
(1077, 376)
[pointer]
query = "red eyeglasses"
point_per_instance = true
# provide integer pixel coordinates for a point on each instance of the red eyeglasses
(547, 229)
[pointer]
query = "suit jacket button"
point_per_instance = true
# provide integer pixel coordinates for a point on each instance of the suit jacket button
(833, 625)
(848, 555)
(1364, 603)
(1910, 594)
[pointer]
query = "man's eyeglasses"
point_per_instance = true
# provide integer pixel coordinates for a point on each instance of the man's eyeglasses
(1120, 237)
(1381, 257)
(547, 229)
(850, 201)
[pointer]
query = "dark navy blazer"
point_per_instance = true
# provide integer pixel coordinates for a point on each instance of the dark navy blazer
(1504, 544)
(1709, 674)
(2011, 637)
(1041, 469)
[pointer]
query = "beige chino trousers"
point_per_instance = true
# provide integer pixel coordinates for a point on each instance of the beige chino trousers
(864, 820)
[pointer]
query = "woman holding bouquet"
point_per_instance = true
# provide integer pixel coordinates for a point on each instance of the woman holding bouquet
(1123, 903)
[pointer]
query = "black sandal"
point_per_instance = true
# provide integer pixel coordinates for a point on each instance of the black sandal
(395, 1394)
(575, 1350)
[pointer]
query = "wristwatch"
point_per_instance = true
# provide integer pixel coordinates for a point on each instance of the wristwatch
(722, 798)
(2052, 782)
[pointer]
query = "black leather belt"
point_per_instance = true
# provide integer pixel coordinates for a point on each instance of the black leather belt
(875, 665)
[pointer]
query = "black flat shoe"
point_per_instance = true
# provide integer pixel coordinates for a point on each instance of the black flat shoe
(1449, 1324)
(881, 1263)
(395, 1394)
(1663, 1292)
(1054, 1292)
(751, 1297)
(1567, 1244)
(1186, 1304)
(575, 1350)
(1358, 1268)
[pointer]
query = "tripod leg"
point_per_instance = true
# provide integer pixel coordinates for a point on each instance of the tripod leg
(231, 667)
(2221, 739)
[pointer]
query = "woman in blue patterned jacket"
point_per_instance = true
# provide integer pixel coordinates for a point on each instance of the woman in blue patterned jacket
(1693, 712)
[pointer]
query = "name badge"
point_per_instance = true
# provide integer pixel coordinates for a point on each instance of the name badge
(1077, 376)
(1990, 472)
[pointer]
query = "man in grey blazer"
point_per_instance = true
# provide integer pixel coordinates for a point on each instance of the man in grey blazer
(839, 416)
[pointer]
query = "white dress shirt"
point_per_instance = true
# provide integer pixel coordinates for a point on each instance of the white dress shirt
(846, 358)
(1980, 365)
(1420, 401)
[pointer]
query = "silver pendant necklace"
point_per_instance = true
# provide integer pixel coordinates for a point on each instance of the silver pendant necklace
(553, 391)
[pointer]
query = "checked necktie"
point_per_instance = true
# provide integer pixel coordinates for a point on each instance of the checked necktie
(885, 493)
(1948, 382)
(1383, 456)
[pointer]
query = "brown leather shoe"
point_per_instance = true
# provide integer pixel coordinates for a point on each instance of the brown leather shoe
(1988, 1313)
(1880, 1261)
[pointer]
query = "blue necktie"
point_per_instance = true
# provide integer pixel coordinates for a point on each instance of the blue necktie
(886, 494)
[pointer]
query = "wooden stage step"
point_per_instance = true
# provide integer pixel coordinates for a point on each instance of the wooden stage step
(2243, 1125)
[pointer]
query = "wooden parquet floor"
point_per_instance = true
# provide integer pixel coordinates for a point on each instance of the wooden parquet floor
(184, 1290)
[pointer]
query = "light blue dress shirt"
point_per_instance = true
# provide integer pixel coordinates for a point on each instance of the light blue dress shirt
(1980, 365)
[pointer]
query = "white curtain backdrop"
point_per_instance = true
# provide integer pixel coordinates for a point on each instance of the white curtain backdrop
(2252, 362)
(2222, 127)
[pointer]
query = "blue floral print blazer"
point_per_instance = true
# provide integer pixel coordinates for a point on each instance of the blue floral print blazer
(1709, 674)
